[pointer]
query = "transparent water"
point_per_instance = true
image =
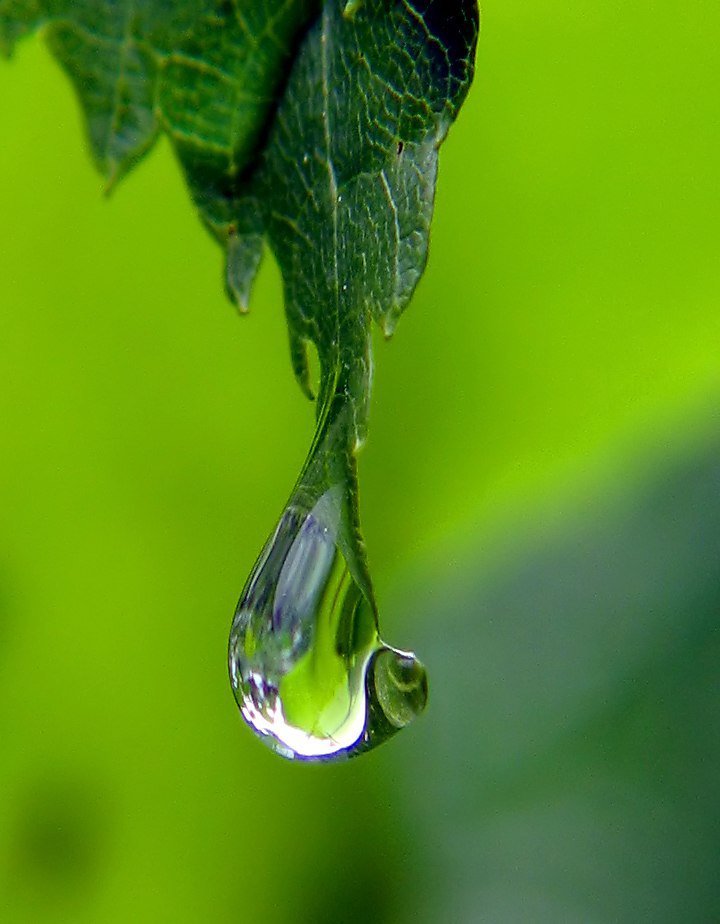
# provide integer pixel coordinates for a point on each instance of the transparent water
(307, 665)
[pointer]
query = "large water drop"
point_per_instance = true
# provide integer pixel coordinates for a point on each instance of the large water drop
(308, 667)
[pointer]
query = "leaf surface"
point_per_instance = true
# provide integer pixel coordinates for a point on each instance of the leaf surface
(313, 125)
(349, 172)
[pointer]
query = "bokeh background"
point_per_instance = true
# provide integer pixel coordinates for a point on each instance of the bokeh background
(540, 496)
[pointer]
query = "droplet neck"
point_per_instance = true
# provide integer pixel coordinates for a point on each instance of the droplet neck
(330, 470)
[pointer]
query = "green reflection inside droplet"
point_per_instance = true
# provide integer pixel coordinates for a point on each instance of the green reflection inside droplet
(308, 668)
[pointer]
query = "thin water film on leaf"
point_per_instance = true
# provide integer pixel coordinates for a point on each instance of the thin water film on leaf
(314, 126)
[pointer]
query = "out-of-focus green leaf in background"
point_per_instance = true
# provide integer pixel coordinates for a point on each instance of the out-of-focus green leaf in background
(540, 492)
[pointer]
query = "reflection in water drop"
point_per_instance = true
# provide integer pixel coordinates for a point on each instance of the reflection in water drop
(307, 665)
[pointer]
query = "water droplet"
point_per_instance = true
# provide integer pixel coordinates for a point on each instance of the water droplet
(308, 667)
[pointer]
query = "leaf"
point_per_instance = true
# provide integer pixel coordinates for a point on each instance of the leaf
(332, 157)
(316, 126)
(349, 175)
(207, 74)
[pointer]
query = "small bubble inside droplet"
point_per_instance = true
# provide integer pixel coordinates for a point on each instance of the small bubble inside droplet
(401, 686)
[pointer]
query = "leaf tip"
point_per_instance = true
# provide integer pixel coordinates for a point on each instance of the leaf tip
(111, 179)
(302, 351)
(388, 325)
(243, 258)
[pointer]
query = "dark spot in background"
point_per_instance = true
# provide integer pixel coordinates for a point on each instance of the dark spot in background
(356, 886)
(60, 835)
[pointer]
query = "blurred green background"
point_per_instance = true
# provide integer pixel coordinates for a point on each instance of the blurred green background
(540, 496)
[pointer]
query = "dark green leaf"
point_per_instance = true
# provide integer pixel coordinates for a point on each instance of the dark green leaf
(316, 127)
(207, 74)
(349, 174)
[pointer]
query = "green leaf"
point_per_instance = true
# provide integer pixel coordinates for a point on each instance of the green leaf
(349, 175)
(314, 126)
(207, 74)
